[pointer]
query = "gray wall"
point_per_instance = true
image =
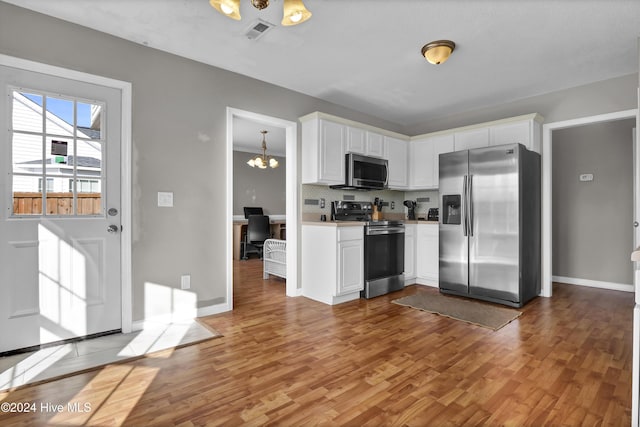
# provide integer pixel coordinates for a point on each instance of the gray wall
(582, 101)
(592, 233)
(258, 187)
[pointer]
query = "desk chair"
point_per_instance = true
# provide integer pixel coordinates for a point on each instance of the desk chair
(248, 211)
(258, 230)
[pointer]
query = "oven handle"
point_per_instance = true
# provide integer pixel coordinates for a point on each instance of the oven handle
(386, 230)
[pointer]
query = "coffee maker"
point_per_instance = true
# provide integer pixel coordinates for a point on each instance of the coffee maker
(411, 207)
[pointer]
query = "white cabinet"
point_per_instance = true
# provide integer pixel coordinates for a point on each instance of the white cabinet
(332, 262)
(323, 149)
(527, 133)
(410, 253)
(375, 145)
(469, 139)
(441, 144)
(427, 262)
(421, 164)
(398, 157)
(356, 140)
(350, 267)
(365, 142)
(424, 160)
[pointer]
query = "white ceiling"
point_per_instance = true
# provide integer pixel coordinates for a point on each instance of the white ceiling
(365, 55)
(247, 137)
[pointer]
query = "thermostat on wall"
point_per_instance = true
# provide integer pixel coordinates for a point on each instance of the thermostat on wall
(586, 177)
(165, 199)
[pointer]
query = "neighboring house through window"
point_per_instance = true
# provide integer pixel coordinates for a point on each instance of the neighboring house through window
(58, 140)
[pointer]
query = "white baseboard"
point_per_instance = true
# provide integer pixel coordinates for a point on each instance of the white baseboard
(171, 318)
(427, 282)
(214, 309)
(594, 283)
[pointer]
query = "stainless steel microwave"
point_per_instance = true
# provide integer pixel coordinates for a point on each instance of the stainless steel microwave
(364, 173)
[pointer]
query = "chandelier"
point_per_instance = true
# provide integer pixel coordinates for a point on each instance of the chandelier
(294, 11)
(261, 161)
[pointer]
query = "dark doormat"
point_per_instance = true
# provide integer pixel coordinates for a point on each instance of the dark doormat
(479, 313)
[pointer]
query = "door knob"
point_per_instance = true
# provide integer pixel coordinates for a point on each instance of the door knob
(112, 228)
(635, 223)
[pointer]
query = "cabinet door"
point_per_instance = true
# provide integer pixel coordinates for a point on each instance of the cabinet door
(332, 145)
(350, 267)
(421, 164)
(469, 139)
(427, 252)
(409, 251)
(397, 154)
(375, 145)
(512, 133)
(356, 140)
(441, 144)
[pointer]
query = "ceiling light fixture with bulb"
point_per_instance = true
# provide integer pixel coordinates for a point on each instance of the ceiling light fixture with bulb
(294, 11)
(438, 51)
(262, 160)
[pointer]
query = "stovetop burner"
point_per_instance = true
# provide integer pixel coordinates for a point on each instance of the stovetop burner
(342, 210)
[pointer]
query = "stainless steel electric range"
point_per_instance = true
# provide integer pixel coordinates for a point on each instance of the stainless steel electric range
(383, 248)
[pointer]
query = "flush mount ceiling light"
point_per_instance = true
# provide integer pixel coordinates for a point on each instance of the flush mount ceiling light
(261, 161)
(294, 11)
(438, 51)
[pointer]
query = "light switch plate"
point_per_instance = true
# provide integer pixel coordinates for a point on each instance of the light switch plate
(165, 199)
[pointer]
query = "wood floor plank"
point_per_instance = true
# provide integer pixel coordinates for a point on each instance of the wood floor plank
(294, 362)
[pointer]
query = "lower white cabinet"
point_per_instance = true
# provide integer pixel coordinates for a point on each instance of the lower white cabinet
(427, 252)
(350, 267)
(332, 262)
(410, 253)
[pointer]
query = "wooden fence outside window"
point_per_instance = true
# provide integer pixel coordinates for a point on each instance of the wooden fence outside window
(57, 203)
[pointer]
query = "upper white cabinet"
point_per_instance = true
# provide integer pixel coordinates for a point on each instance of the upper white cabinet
(424, 160)
(421, 164)
(356, 140)
(441, 144)
(365, 142)
(413, 162)
(398, 156)
(375, 145)
(326, 139)
(323, 149)
(425, 149)
(469, 139)
(525, 132)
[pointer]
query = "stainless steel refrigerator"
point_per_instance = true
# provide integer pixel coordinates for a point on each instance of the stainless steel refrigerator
(490, 224)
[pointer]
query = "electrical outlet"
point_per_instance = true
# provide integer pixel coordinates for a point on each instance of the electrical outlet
(586, 177)
(185, 281)
(322, 203)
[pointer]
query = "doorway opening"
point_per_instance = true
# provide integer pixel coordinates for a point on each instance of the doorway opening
(234, 117)
(547, 190)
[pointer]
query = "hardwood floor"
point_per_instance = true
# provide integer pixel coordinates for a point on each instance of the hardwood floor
(293, 361)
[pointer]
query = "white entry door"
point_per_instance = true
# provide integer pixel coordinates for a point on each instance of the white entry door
(59, 209)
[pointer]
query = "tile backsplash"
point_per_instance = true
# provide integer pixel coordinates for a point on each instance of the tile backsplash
(311, 195)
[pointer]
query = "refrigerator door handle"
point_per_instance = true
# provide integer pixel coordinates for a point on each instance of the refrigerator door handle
(470, 204)
(465, 223)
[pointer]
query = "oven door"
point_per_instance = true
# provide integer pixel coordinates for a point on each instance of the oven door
(383, 252)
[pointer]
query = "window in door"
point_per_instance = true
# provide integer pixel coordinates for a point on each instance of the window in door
(57, 140)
